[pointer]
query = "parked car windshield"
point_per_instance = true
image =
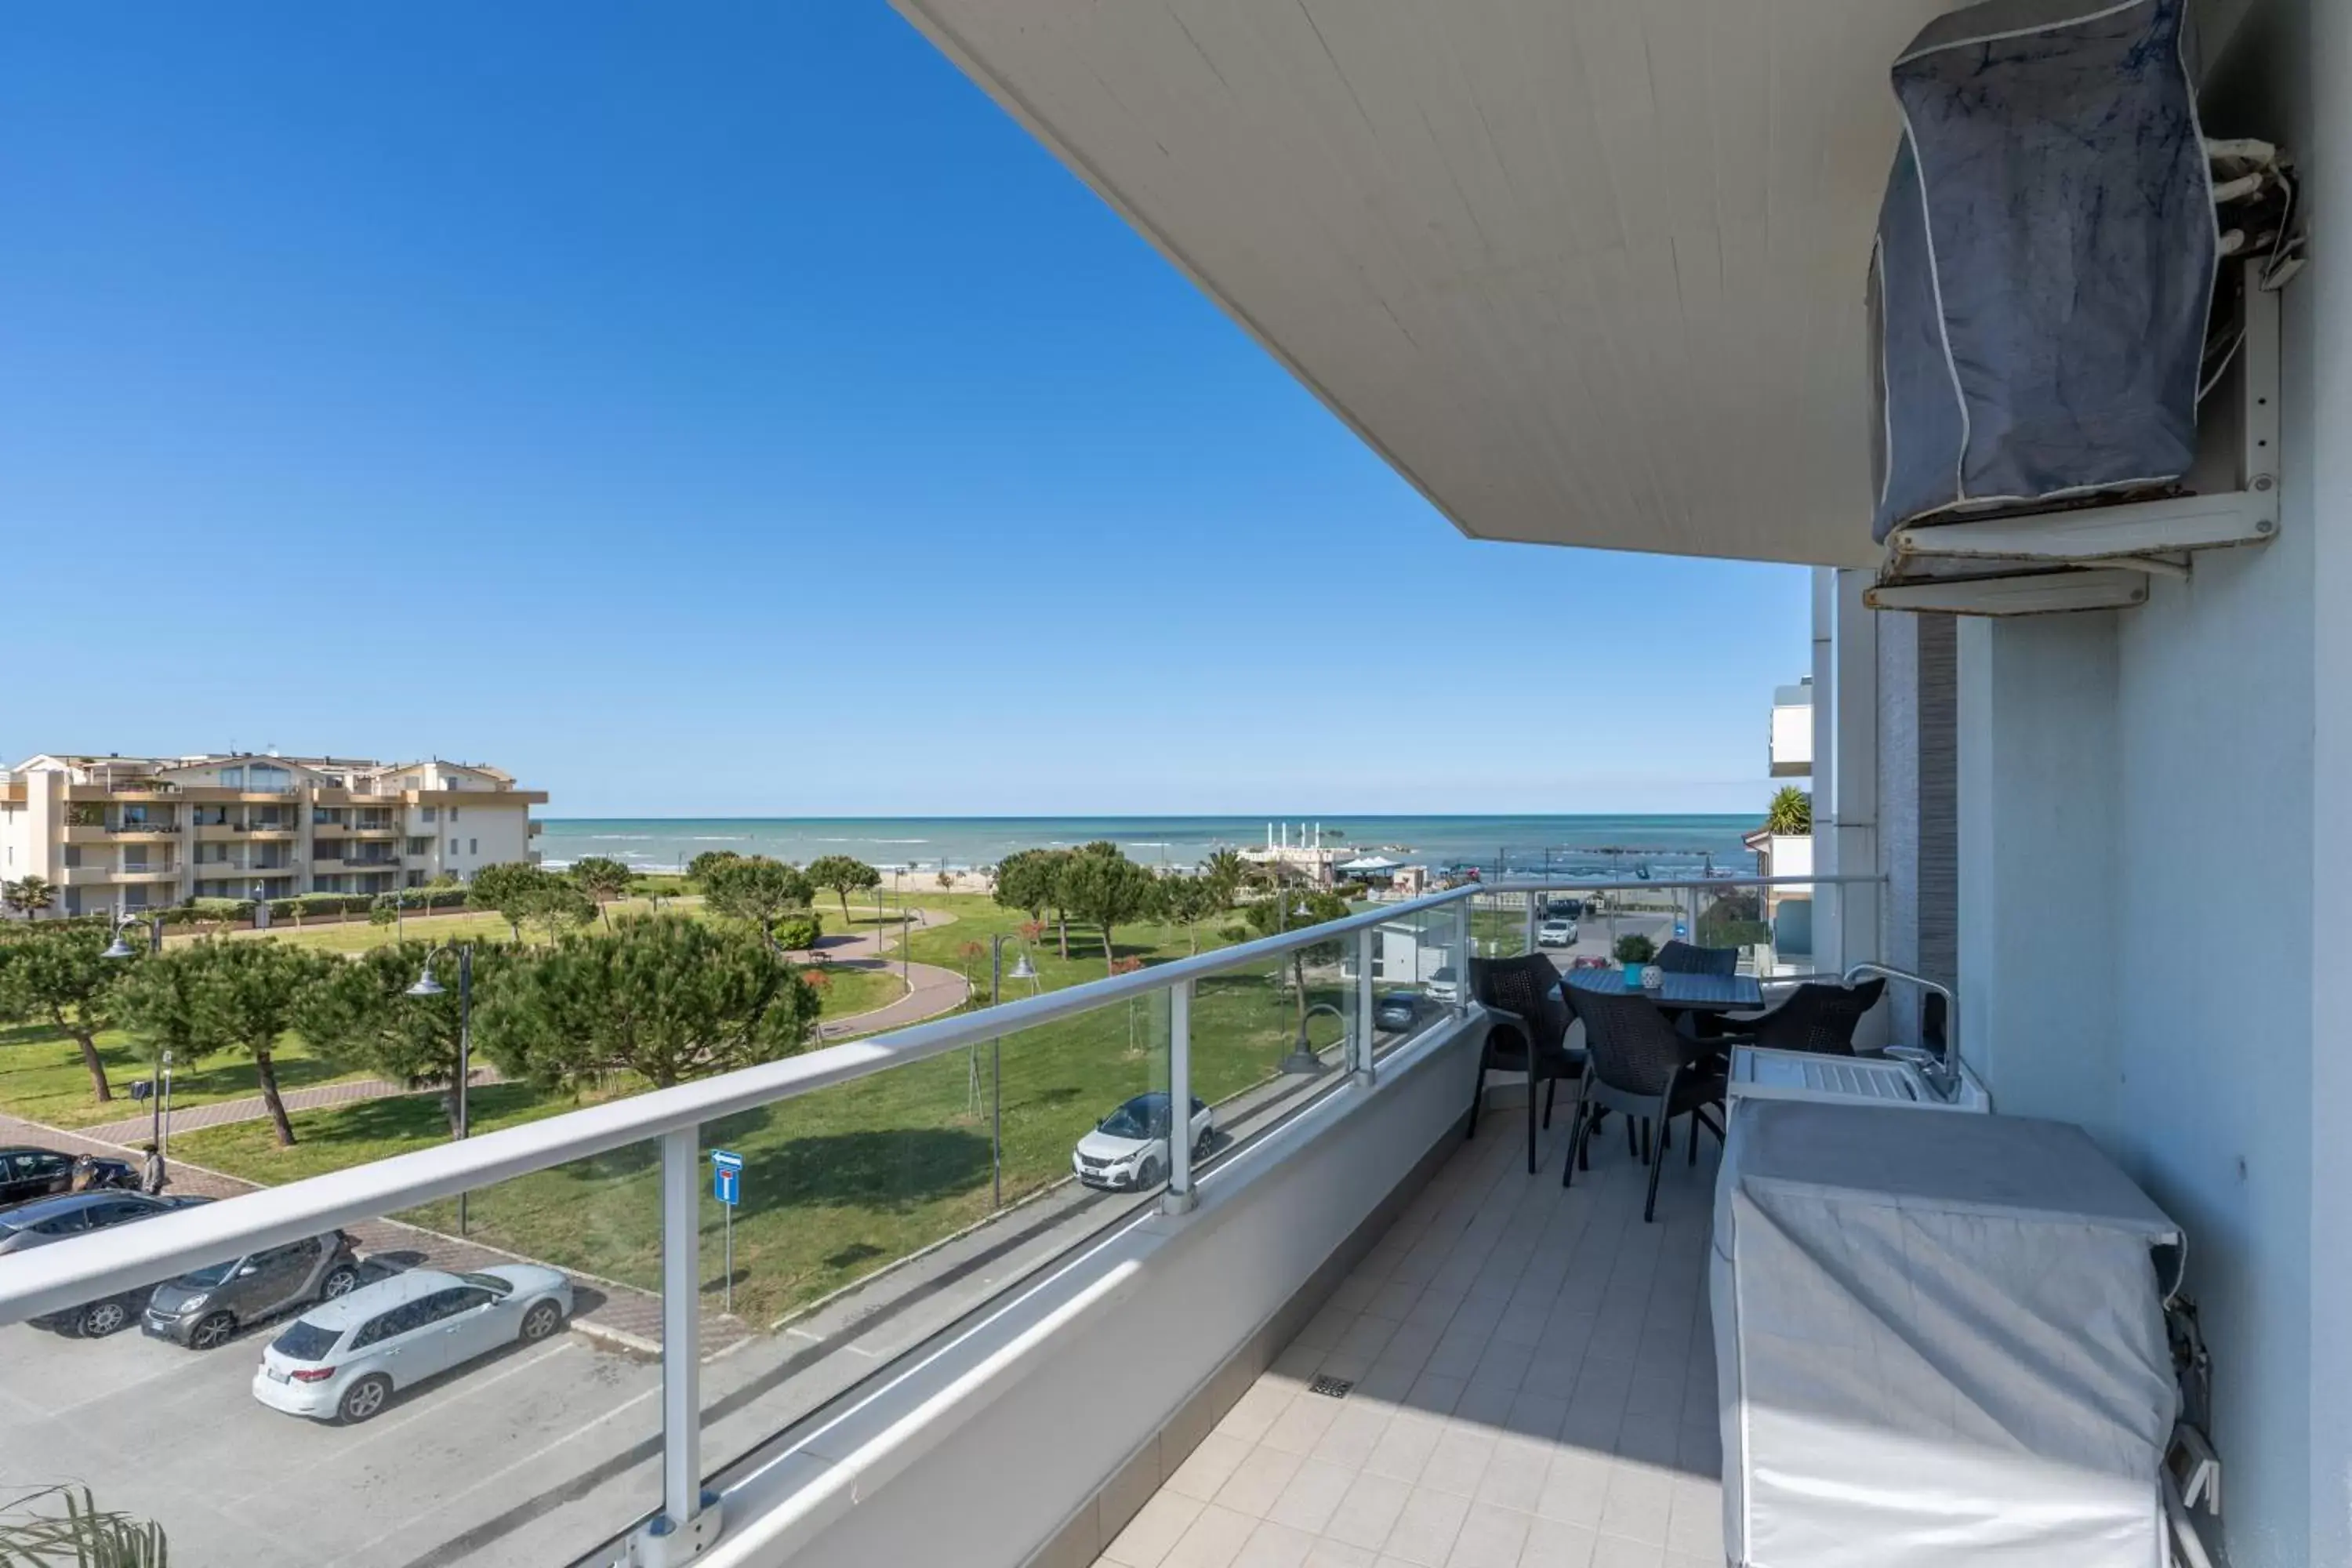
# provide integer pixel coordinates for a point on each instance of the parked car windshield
(216, 1275)
(1137, 1119)
(490, 1282)
(307, 1342)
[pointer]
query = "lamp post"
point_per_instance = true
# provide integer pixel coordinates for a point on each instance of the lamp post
(427, 986)
(1021, 969)
(160, 1103)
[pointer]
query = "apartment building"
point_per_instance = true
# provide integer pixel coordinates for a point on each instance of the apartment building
(131, 833)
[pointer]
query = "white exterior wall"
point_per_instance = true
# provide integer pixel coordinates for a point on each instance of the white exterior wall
(2182, 1005)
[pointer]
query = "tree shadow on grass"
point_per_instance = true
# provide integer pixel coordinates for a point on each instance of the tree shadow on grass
(891, 1170)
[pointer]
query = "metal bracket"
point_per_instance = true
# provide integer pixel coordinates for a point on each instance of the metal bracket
(661, 1543)
(2086, 558)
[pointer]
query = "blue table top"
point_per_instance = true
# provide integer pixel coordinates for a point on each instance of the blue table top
(1712, 993)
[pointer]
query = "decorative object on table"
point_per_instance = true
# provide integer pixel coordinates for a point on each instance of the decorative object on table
(1653, 977)
(1634, 950)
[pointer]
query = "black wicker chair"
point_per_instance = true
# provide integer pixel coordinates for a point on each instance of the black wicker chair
(1635, 1062)
(1688, 958)
(1816, 1017)
(1521, 993)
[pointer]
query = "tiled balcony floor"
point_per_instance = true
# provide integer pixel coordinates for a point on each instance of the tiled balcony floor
(1535, 1388)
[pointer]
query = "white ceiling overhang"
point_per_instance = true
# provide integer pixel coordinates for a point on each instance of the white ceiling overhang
(1584, 271)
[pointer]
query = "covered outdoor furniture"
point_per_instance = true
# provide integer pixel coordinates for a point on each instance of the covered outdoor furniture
(1817, 1017)
(1689, 958)
(1635, 1062)
(1939, 1340)
(1528, 1033)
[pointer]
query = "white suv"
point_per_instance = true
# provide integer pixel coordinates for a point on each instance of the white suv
(1555, 933)
(344, 1360)
(1128, 1148)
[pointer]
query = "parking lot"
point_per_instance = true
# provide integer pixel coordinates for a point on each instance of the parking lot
(176, 1435)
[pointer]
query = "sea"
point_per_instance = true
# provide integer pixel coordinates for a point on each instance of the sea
(1599, 846)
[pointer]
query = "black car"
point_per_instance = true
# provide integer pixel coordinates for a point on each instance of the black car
(204, 1308)
(44, 1220)
(1397, 1012)
(28, 1173)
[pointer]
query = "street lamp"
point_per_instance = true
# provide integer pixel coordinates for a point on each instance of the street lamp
(1302, 1058)
(1021, 969)
(119, 948)
(427, 986)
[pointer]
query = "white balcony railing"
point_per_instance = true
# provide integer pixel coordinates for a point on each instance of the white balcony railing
(1235, 1026)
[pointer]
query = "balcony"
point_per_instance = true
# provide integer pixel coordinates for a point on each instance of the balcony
(1518, 1373)
(153, 871)
(373, 829)
(144, 827)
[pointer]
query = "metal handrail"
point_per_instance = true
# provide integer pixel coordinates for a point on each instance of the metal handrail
(51, 1278)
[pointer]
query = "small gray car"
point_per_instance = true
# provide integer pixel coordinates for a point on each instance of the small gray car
(204, 1308)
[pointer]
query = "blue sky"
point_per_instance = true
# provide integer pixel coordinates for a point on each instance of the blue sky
(729, 410)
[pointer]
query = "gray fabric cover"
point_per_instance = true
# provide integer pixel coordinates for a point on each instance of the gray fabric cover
(1939, 1342)
(2045, 260)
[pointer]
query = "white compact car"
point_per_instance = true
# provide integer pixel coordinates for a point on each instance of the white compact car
(344, 1360)
(1128, 1148)
(1555, 933)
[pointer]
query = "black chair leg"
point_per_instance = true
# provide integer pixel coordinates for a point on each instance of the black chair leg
(1551, 1093)
(1477, 1093)
(1580, 1132)
(1650, 1204)
(1633, 1141)
(1531, 1113)
(1690, 1155)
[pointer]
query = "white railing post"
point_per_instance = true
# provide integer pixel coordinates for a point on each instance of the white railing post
(1177, 1198)
(1530, 897)
(1462, 951)
(689, 1520)
(1367, 944)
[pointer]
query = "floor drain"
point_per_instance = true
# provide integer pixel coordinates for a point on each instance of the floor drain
(1336, 1387)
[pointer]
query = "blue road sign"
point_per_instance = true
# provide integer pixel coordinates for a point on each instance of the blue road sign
(727, 1177)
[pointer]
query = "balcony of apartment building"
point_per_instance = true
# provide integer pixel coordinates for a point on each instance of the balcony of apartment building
(1322, 1324)
(364, 822)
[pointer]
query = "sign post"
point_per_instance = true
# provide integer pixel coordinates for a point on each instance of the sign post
(727, 1186)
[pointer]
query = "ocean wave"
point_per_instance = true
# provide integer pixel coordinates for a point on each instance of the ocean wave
(898, 841)
(630, 838)
(721, 838)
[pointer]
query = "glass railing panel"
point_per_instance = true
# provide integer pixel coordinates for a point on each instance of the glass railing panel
(1416, 971)
(400, 1390)
(1269, 1036)
(1498, 923)
(874, 1213)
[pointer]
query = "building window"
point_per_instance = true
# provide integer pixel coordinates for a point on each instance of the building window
(473, 846)
(453, 849)
(453, 814)
(134, 897)
(232, 778)
(73, 855)
(266, 777)
(432, 813)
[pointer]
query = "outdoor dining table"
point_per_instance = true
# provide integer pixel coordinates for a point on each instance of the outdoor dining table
(1682, 992)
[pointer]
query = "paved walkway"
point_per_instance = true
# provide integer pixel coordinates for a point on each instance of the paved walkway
(132, 1132)
(930, 990)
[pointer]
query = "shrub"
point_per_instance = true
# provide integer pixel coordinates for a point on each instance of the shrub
(1636, 948)
(799, 931)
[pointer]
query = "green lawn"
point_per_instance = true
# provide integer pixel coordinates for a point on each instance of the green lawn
(462, 925)
(42, 1077)
(848, 992)
(851, 1177)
